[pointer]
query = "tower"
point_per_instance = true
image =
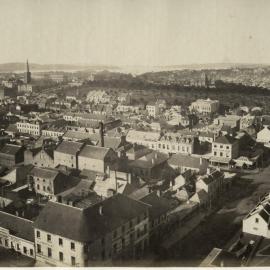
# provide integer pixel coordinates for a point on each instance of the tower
(27, 74)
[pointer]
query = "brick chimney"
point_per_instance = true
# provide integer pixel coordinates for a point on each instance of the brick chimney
(101, 134)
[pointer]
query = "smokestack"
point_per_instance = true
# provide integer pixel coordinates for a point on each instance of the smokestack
(101, 134)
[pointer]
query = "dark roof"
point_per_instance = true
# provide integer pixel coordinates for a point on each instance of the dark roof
(44, 173)
(150, 160)
(88, 224)
(226, 139)
(11, 149)
(160, 205)
(17, 226)
(94, 152)
(67, 147)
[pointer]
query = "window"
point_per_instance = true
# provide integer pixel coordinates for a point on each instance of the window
(6, 242)
(44, 188)
(215, 153)
(18, 247)
(49, 238)
(38, 248)
(49, 252)
(37, 186)
(38, 234)
(72, 245)
(60, 242)
(31, 252)
(73, 262)
(123, 242)
(257, 220)
(61, 256)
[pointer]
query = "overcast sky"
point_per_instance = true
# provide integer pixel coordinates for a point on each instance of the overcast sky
(135, 32)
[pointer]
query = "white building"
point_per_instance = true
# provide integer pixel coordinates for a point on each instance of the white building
(30, 127)
(263, 136)
(204, 106)
(153, 109)
(258, 220)
(148, 139)
(176, 143)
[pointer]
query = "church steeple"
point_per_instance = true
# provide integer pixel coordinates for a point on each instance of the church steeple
(28, 73)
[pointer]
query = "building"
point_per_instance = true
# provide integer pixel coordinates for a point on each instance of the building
(113, 228)
(183, 163)
(212, 183)
(40, 157)
(232, 121)
(30, 127)
(66, 153)
(263, 136)
(224, 149)
(96, 158)
(11, 155)
(204, 106)
(149, 165)
(17, 233)
(49, 182)
(176, 143)
(153, 109)
(7, 93)
(148, 139)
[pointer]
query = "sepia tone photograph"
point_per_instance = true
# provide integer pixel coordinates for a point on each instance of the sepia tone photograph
(134, 133)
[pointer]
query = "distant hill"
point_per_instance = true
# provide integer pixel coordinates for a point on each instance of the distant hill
(21, 67)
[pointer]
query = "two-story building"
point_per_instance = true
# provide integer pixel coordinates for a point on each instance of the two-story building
(66, 153)
(224, 149)
(95, 158)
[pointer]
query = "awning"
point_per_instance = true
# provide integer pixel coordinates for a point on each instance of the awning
(220, 160)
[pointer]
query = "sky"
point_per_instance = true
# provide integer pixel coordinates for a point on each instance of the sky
(135, 32)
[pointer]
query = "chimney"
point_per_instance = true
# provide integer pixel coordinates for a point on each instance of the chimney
(101, 134)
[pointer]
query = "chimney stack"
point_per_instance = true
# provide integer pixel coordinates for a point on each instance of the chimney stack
(101, 134)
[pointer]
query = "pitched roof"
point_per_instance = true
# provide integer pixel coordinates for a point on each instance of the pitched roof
(11, 149)
(94, 152)
(88, 224)
(150, 160)
(160, 205)
(226, 139)
(44, 173)
(67, 147)
(186, 161)
(17, 226)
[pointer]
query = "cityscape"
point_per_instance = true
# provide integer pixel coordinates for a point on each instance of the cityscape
(152, 161)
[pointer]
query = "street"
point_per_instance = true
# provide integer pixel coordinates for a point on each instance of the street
(218, 229)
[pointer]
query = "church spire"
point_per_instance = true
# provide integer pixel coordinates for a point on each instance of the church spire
(28, 73)
(27, 66)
